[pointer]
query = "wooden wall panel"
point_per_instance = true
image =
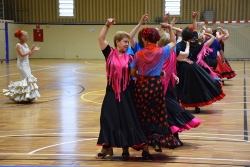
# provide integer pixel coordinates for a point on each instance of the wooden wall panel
(125, 12)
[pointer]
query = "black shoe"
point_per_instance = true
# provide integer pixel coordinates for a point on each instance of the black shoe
(125, 155)
(176, 135)
(156, 145)
(146, 156)
(197, 110)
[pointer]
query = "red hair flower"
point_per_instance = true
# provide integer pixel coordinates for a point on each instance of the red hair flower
(19, 33)
(191, 28)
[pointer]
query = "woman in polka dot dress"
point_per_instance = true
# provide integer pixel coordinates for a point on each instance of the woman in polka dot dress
(149, 96)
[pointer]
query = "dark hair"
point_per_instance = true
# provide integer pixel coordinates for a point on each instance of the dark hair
(186, 34)
(214, 32)
(140, 39)
(151, 34)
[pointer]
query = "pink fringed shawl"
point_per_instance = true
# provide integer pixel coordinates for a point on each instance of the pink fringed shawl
(169, 67)
(203, 53)
(117, 71)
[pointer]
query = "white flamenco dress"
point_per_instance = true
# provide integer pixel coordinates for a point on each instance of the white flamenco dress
(26, 89)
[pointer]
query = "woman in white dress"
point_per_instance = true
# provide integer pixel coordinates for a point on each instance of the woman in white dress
(25, 90)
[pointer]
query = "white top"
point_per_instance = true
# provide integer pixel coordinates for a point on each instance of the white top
(23, 63)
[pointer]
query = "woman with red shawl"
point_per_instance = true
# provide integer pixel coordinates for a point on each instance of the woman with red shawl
(149, 97)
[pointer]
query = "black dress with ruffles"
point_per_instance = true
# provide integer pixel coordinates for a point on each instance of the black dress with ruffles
(196, 87)
(120, 126)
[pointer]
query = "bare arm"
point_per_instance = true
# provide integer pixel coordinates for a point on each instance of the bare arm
(101, 38)
(177, 29)
(132, 40)
(226, 36)
(33, 49)
(23, 54)
(202, 29)
(194, 15)
(172, 42)
(211, 40)
(132, 72)
(183, 55)
(222, 35)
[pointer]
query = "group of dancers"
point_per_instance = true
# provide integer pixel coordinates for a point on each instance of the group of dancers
(150, 82)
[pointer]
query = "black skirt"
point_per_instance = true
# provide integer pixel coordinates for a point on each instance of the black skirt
(196, 87)
(120, 126)
(179, 118)
(150, 104)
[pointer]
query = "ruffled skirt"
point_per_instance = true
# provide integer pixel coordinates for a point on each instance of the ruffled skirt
(150, 105)
(23, 91)
(196, 87)
(120, 126)
(179, 119)
(224, 70)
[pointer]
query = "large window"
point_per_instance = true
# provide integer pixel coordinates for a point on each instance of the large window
(173, 7)
(66, 8)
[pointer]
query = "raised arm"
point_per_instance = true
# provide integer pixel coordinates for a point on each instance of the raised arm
(220, 37)
(132, 41)
(194, 21)
(226, 36)
(177, 29)
(202, 29)
(101, 38)
(172, 42)
(211, 40)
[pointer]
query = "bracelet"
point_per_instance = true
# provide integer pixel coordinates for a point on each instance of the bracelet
(107, 25)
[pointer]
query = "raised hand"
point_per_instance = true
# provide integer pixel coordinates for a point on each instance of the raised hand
(174, 20)
(144, 18)
(166, 17)
(33, 46)
(165, 26)
(194, 14)
(36, 48)
(110, 21)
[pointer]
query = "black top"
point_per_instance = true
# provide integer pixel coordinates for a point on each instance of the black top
(194, 47)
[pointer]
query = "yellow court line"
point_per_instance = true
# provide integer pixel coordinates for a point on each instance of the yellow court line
(91, 101)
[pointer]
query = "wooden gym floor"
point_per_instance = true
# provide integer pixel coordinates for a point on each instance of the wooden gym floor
(61, 127)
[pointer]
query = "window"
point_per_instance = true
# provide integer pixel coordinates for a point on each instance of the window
(173, 7)
(66, 8)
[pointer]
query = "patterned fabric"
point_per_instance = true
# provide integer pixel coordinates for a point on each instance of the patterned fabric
(150, 104)
(149, 60)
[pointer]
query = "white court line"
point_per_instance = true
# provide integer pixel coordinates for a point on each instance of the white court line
(31, 71)
(44, 134)
(193, 129)
(32, 152)
(169, 157)
(204, 137)
(74, 70)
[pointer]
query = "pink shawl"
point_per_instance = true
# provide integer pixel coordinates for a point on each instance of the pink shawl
(203, 53)
(169, 67)
(117, 71)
